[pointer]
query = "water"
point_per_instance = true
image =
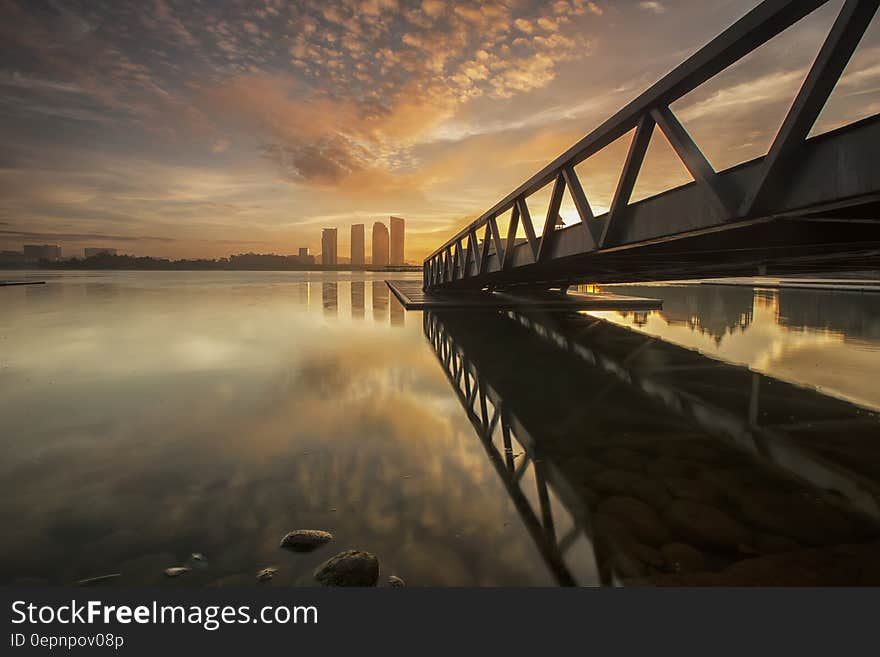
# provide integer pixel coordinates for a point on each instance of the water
(147, 416)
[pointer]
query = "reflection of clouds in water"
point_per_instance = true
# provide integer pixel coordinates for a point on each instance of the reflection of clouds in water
(806, 355)
(200, 426)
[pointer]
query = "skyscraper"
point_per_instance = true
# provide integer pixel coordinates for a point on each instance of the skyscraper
(380, 244)
(328, 246)
(357, 244)
(397, 230)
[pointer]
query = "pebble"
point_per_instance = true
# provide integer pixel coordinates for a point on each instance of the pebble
(176, 571)
(305, 540)
(705, 525)
(266, 574)
(349, 568)
(638, 518)
(683, 558)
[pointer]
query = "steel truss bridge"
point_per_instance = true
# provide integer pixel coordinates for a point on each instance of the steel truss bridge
(808, 205)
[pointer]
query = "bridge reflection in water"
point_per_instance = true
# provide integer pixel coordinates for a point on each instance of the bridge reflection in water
(649, 463)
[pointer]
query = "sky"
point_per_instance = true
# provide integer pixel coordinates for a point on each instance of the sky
(204, 128)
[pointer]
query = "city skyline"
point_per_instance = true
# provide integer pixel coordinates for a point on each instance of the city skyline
(184, 131)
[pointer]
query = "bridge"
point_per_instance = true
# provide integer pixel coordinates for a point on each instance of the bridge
(808, 205)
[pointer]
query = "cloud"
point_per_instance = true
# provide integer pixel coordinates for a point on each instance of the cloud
(653, 6)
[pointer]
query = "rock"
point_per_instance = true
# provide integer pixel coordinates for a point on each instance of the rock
(667, 467)
(176, 571)
(266, 574)
(695, 451)
(624, 458)
(197, 556)
(588, 495)
(683, 558)
(627, 566)
(581, 468)
(691, 489)
(396, 582)
(349, 568)
(705, 525)
(628, 484)
(637, 518)
(649, 555)
(305, 540)
(807, 520)
(770, 544)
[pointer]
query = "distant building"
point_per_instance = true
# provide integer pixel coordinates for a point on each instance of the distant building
(35, 252)
(328, 246)
(380, 244)
(303, 252)
(397, 238)
(90, 251)
(357, 244)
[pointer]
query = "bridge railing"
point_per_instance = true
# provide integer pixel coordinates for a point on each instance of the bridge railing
(469, 253)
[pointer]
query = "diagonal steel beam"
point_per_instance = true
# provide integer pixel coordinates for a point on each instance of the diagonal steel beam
(826, 70)
(634, 158)
(528, 226)
(692, 158)
(475, 248)
(546, 242)
(484, 251)
(511, 236)
(585, 212)
(496, 239)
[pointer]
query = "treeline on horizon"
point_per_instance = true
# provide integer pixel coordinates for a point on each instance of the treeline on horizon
(242, 261)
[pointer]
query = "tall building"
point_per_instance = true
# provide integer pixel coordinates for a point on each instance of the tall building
(34, 252)
(90, 251)
(328, 246)
(380, 244)
(397, 230)
(303, 252)
(357, 244)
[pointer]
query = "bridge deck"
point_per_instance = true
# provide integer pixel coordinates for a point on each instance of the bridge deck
(411, 295)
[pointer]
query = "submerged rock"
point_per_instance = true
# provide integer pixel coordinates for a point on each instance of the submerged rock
(197, 556)
(683, 558)
(266, 574)
(176, 571)
(349, 568)
(705, 525)
(638, 518)
(396, 582)
(630, 484)
(304, 540)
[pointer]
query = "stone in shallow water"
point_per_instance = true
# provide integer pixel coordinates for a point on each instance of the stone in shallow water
(638, 518)
(349, 568)
(683, 558)
(396, 582)
(630, 484)
(266, 574)
(304, 540)
(624, 458)
(176, 571)
(705, 525)
(691, 489)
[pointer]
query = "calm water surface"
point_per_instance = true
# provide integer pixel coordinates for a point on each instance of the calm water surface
(729, 438)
